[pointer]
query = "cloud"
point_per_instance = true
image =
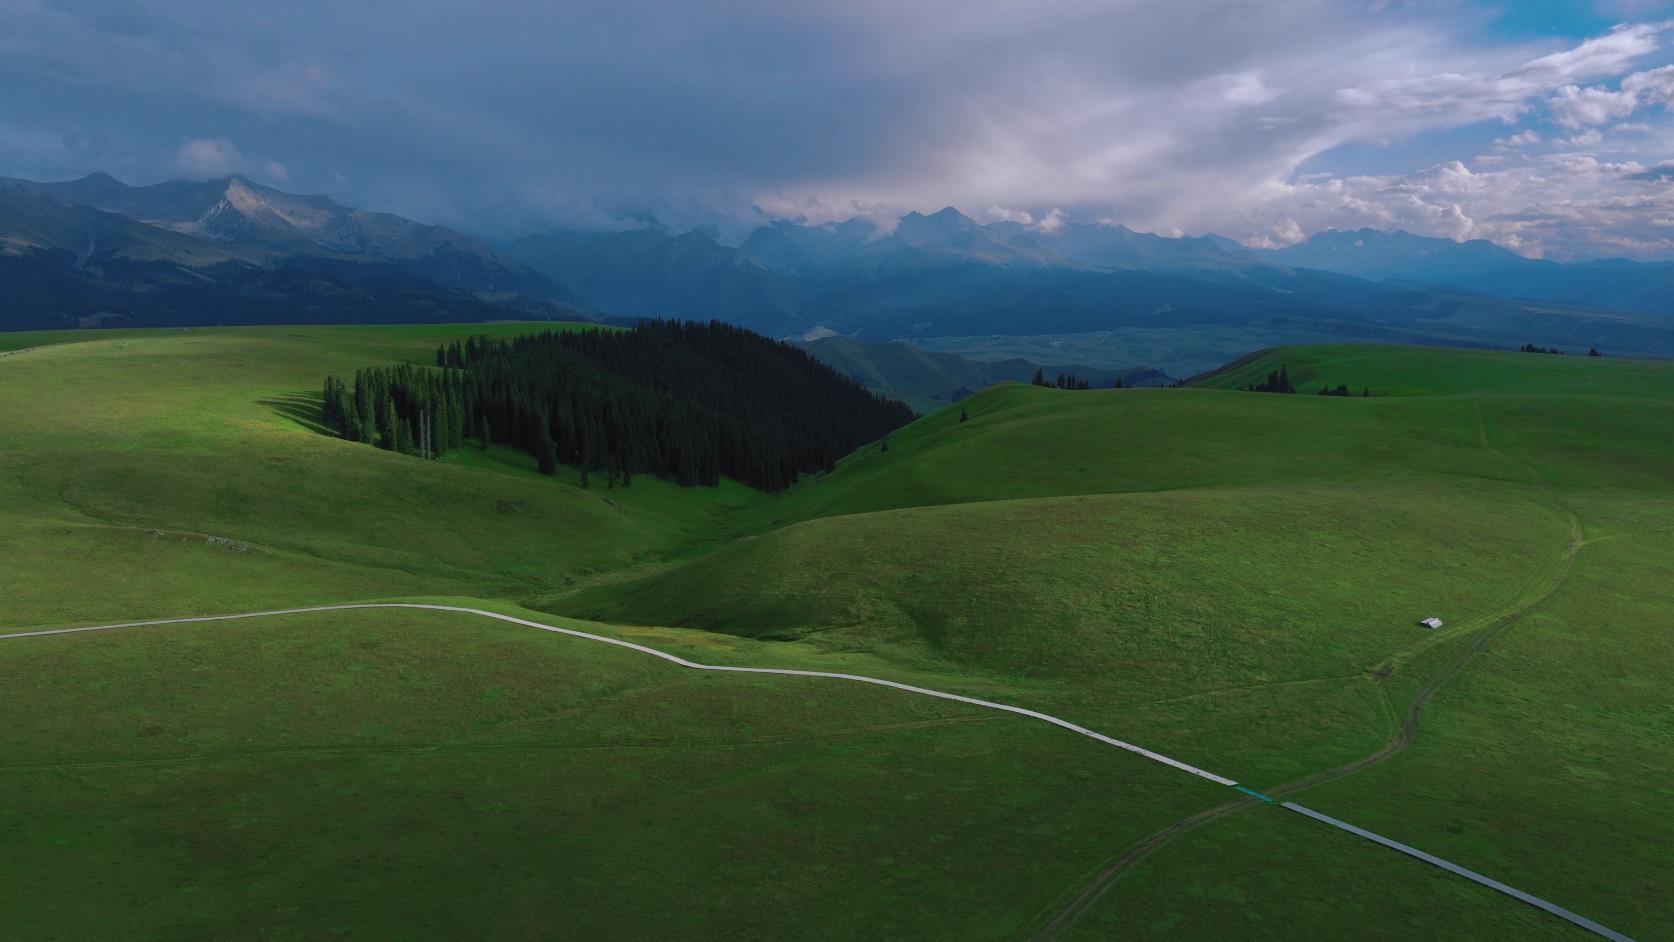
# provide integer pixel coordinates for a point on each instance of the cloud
(1653, 86)
(1247, 88)
(1283, 233)
(1562, 206)
(1520, 139)
(1164, 114)
(1001, 214)
(207, 157)
(1659, 174)
(1574, 107)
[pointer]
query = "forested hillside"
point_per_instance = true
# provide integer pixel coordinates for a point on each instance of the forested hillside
(687, 401)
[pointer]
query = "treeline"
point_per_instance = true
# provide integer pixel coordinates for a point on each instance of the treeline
(1533, 348)
(1278, 381)
(691, 402)
(1063, 381)
(1341, 389)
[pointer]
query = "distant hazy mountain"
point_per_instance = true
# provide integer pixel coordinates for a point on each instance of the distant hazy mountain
(656, 273)
(925, 379)
(1380, 255)
(937, 272)
(944, 274)
(95, 250)
(791, 249)
(1482, 266)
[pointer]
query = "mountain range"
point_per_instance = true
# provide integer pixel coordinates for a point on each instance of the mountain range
(96, 251)
(1483, 267)
(944, 274)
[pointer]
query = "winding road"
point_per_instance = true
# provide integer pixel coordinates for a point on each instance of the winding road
(1250, 796)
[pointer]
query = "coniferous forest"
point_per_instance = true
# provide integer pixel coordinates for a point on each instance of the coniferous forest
(691, 402)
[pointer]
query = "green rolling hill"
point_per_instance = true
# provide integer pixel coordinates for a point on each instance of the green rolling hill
(1230, 578)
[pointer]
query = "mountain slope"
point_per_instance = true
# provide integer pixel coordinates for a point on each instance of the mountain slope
(236, 211)
(67, 265)
(94, 251)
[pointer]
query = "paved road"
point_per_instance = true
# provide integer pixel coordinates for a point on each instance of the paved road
(878, 681)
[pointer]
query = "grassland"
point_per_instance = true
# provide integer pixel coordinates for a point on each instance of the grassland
(1230, 578)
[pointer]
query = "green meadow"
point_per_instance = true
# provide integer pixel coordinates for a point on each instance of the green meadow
(1232, 579)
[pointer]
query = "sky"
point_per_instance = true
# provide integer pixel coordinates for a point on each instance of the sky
(1543, 126)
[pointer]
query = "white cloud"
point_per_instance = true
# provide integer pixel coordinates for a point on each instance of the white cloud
(1574, 107)
(209, 157)
(1280, 234)
(1247, 88)
(1565, 206)
(1653, 86)
(1591, 137)
(1198, 156)
(205, 157)
(1002, 214)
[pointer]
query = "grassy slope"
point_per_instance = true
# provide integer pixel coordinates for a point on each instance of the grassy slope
(1164, 563)
(419, 775)
(245, 763)
(1256, 597)
(1231, 627)
(120, 457)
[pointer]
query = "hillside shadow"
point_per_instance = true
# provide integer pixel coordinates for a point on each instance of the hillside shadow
(303, 408)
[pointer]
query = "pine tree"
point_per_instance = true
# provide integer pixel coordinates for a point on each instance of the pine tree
(386, 423)
(403, 438)
(1593, 352)
(546, 450)
(885, 448)
(963, 415)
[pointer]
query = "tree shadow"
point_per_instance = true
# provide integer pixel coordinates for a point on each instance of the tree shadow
(303, 408)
